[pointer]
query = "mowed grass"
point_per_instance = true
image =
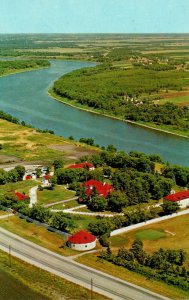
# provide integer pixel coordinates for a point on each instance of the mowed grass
(150, 234)
(50, 196)
(36, 234)
(26, 282)
(66, 205)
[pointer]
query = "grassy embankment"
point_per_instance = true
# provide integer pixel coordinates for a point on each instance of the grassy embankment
(166, 234)
(23, 281)
(19, 142)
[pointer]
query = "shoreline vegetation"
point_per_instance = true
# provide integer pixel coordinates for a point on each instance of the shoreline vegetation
(20, 66)
(75, 104)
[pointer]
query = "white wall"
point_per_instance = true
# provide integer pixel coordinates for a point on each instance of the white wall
(83, 247)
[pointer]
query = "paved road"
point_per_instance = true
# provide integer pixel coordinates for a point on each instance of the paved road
(102, 283)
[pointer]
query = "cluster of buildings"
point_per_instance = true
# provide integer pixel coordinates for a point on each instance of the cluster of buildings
(84, 240)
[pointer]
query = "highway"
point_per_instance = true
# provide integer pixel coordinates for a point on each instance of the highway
(66, 268)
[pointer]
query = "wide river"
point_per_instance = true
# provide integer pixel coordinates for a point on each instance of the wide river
(25, 96)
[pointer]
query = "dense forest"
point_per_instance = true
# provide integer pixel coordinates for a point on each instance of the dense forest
(8, 66)
(127, 92)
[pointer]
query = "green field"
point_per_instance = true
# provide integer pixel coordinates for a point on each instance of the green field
(50, 196)
(22, 281)
(150, 234)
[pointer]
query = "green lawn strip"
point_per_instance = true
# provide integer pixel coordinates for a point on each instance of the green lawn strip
(37, 234)
(91, 260)
(150, 234)
(66, 205)
(24, 281)
(50, 196)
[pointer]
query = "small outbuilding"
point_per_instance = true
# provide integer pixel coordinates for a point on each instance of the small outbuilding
(82, 241)
(182, 198)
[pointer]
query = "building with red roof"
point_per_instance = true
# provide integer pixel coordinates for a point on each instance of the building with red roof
(45, 180)
(182, 198)
(21, 196)
(102, 188)
(82, 241)
(87, 165)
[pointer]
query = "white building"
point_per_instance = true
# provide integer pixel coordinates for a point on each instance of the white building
(82, 241)
(182, 198)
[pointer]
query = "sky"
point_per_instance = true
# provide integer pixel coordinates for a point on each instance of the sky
(94, 16)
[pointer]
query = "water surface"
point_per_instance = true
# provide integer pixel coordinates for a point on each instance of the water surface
(24, 95)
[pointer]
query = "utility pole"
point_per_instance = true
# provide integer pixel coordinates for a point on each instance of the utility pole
(10, 262)
(91, 289)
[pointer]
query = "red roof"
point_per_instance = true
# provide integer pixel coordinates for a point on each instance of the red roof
(46, 177)
(102, 188)
(178, 196)
(81, 165)
(21, 196)
(81, 237)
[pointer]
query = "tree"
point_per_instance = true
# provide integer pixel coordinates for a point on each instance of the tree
(62, 222)
(111, 148)
(20, 171)
(101, 227)
(117, 201)
(138, 252)
(58, 163)
(98, 203)
(170, 207)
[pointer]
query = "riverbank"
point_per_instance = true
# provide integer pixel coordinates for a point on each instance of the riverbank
(75, 104)
(12, 72)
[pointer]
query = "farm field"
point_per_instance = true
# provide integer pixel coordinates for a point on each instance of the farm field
(24, 281)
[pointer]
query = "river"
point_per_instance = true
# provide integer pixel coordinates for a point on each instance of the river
(25, 96)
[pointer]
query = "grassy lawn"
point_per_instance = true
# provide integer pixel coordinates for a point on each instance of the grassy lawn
(26, 282)
(20, 186)
(37, 234)
(83, 221)
(50, 196)
(120, 272)
(150, 234)
(66, 205)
